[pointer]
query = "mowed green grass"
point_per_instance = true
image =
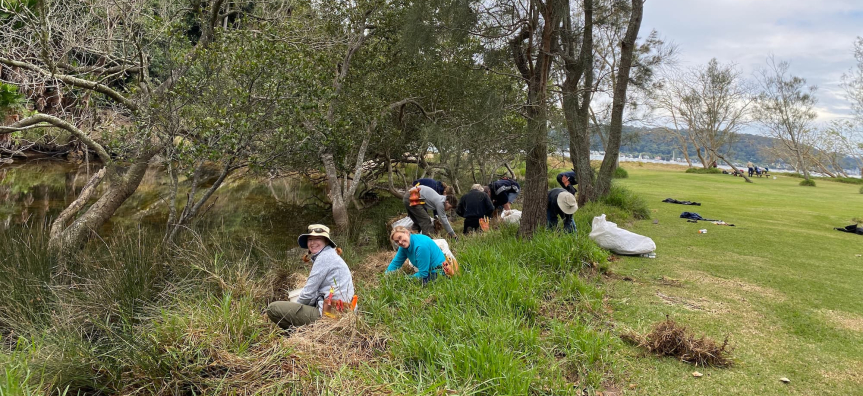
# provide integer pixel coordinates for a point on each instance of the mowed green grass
(782, 285)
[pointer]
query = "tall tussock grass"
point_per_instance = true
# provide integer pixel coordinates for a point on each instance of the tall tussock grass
(128, 315)
(516, 321)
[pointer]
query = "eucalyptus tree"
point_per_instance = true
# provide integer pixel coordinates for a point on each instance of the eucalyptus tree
(580, 56)
(131, 53)
(712, 104)
(852, 82)
(785, 108)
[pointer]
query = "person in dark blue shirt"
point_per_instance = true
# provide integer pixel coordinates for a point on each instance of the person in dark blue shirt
(504, 192)
(567, 180)
(438, 186)
(561, 204)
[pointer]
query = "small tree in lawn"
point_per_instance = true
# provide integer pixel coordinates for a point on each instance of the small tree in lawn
(785, 109)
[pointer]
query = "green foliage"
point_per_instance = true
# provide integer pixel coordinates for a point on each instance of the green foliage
(125, 316)
(704, 170)
(628, 201)
(620, 173)
(861, 190)
(848, 180)
(807, 183)
(482, 332)
(10, 98)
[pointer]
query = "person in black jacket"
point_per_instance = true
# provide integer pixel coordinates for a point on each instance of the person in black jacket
(504, 192)
(567, 180)
(473, 206)
(561, 204)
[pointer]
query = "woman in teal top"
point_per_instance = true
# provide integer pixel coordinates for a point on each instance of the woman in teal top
(422, 252)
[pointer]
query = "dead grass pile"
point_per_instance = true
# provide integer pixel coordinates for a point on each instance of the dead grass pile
(335, 343)
(668, 338)
(369, 270)
(308, 361)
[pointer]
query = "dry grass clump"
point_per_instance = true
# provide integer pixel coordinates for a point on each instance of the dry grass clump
(671, 339)
(338, 343)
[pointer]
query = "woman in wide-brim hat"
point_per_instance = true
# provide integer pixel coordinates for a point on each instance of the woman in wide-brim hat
(329, 274)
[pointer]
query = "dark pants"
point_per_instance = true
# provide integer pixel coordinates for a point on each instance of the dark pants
(288, 313)
(433, 274)
(420, 216)
(471, 224)
(568, 222)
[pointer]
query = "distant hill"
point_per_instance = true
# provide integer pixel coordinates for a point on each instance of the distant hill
(661, 143)
(651, 143)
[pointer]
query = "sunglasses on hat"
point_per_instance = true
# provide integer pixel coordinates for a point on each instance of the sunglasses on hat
(318, 230)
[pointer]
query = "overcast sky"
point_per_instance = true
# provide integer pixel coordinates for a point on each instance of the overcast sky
(816, 37)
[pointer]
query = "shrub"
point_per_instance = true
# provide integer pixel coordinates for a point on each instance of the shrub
(703, 170)
(807, 183)
(625, 199)
(849, 180)
(861, 190)
(620, 173)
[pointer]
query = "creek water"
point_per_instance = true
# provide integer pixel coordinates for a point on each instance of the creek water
(276, 210)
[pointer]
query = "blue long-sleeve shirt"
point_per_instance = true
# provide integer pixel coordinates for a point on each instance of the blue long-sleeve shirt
(434, 184)
(423, 254)
(573, 180)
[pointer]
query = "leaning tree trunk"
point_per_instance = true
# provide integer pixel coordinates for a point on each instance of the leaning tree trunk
(734, 168)
(67, 240)
(340, 205)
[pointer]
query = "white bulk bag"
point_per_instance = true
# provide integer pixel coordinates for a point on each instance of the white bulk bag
(406, 222)
(511, 216)
(444, 247)
(608, 236)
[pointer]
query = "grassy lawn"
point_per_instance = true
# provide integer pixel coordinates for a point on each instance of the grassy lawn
(782, 285)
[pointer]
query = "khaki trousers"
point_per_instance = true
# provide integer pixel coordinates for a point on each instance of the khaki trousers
(287, 314)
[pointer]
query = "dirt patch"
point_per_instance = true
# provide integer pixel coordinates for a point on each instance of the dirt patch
(844, 320)
(665, 281)
(852, 373)
(668, 338)
(672, 300)
(735, 285)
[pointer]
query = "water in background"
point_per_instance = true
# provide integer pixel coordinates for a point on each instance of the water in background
(274, 210)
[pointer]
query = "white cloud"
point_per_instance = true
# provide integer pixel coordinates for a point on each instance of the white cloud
(815, 37)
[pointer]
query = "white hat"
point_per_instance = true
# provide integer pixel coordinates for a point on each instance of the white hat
(567, 202)
(318, 230)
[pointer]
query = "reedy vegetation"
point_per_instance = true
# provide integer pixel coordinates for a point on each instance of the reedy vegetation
(133, 317)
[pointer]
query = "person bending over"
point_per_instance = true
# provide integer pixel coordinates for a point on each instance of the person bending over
(567, 180)
(473, 206)
(418, 200)
(561, 204)
(438, 186)
(504, 192)
(420, 250)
